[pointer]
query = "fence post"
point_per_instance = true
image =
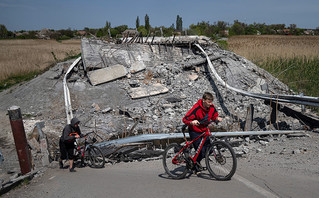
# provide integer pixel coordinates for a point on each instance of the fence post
(249, 118)
(20, 139)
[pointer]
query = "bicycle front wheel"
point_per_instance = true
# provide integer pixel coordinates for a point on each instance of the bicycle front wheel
(221, 160)
(174, 161)
(96, 157)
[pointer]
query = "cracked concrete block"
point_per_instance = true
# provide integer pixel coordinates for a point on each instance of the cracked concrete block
(44, 151)
(137, 66)
(107, 74)
(34, 144)
(141, 92)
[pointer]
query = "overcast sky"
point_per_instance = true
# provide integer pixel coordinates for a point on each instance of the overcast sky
(77, 14)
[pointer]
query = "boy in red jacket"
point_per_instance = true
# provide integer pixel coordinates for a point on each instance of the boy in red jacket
(197, 119)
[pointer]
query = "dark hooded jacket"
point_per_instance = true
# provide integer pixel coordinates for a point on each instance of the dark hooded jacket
(70, 131)
(204, 116)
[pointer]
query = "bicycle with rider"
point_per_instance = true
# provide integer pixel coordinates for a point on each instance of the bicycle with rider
(197, 119)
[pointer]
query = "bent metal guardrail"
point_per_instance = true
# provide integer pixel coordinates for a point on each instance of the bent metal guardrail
(67, 99)
(164, 136)
(296, 99)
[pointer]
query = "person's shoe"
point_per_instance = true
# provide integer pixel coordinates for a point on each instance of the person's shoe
(198, 168)
(72, 170)
(61, 164)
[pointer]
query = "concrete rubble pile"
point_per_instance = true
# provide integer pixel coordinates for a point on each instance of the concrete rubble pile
(165, 85)
(141, 88)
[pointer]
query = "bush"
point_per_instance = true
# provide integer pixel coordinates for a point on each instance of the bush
(63, 37)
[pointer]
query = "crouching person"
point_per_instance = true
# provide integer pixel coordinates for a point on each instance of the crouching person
(70, 133)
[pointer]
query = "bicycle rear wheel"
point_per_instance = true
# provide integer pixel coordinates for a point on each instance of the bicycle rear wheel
(96, 157)
(174, 162)
(221, 160)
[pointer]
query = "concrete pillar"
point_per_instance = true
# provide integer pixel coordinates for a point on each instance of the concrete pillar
(20, 139)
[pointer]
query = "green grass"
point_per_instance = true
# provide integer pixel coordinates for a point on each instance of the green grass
(300, 73)
(222, 44)
(16, 79)
(69, 56)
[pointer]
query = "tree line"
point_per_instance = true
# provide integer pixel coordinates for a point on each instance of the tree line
(205, 28)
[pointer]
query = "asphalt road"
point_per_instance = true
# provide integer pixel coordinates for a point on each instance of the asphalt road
(147, 179)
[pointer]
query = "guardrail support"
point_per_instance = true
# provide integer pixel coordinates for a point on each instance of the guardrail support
(20, 139)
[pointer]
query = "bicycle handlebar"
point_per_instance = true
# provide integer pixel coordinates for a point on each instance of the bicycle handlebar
(209, 122)
(88, 133)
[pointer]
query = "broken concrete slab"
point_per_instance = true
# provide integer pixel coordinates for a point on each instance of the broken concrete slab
(137, 66)
(34, 144)
(44, 151)
(107, 74)
(90, 53)
(141, 92)
(193, 77)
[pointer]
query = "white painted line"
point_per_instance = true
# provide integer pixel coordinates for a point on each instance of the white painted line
(52, 177)
(255, 187)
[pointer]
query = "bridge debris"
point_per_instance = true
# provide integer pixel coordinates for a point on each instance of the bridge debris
(107, 74)
(151, 90)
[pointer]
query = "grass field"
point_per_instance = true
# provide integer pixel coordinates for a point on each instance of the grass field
(22, 59)
(292, 59)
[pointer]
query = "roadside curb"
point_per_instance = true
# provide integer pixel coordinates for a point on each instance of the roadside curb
(6, 187)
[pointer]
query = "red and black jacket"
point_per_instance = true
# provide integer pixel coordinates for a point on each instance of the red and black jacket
(204, 116)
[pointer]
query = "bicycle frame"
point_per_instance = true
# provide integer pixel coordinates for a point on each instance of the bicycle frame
(220, 158)
(206, 134)
(81, 150)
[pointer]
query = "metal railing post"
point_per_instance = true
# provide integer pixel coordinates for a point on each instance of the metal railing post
(20, 139)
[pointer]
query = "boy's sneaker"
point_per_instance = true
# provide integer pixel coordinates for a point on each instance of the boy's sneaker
(198, 168)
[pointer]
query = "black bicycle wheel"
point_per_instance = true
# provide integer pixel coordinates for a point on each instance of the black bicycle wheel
(96, 157)
(221, 160)
(176, 169)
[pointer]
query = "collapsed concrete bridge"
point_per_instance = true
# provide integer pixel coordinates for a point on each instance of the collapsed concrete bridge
(159, 59)
(157, 69)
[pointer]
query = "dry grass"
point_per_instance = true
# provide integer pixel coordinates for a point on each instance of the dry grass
(18, 57)
(258, 48)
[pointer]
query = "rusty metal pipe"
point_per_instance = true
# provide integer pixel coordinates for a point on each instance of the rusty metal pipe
(20, 140)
